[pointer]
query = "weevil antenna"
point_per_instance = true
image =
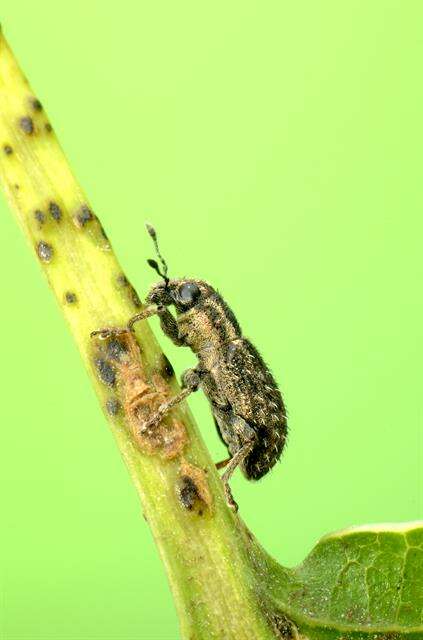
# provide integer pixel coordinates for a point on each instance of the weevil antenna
(152, 263)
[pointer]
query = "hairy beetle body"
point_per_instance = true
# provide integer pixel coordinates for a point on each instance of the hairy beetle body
(244, 397)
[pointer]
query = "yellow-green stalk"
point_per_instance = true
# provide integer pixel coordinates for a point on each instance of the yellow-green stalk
(206, 563)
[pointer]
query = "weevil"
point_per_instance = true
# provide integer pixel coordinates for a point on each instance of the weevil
(245, 400)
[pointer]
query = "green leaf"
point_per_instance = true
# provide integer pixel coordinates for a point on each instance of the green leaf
(360, 582)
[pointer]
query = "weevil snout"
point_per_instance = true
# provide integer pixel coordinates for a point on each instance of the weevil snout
(160, 294)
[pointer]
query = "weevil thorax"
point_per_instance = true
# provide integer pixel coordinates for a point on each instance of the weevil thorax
(204, 319)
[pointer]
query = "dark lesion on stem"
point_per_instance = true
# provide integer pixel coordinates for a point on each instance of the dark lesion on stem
(45, 251)
(26, 124)
(40, 217)
(35, 104)
(145, 398)
(55, 211)
(71, 297)
(193, 490)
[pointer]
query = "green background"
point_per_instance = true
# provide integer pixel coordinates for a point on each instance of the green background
(277, 148)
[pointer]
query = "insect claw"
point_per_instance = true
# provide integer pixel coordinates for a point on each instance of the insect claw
(99, 333)
(108, 332)
(230, 499)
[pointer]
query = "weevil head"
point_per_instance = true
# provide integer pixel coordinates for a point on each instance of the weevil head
(182, 293)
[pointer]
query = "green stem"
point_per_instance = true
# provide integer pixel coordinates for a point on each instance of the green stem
(205, 556)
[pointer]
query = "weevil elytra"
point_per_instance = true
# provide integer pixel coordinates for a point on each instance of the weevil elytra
(245, 400)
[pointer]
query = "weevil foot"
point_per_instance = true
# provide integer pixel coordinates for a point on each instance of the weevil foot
(164, 409)
(152, 423)
(109, 332)
(229, 498)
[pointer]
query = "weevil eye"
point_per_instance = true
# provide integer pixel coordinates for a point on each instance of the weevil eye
(188, 293)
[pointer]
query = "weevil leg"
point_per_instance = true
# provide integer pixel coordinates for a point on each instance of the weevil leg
(170, 327)
(151, 310)
(222, 463)
(232, 465)
(164, 409)
(168, 323)
(191, 379)
(190, 383)
(246, 437)
(108, 332)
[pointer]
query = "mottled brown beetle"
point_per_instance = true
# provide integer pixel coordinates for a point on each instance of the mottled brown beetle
(246, 403)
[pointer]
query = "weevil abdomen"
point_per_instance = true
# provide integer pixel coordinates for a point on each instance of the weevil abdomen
(253, 395)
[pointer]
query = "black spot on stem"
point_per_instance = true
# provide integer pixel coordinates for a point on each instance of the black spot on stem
(39, 216)
(84, 216)
(36, 104)
(188, 493)
(106, 372)
(70, 297)
(26, 124)
(55, 211)
(45, 251)
(113, 406)
(115, 349)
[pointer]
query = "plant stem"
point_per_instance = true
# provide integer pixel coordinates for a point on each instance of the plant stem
(205, 556)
